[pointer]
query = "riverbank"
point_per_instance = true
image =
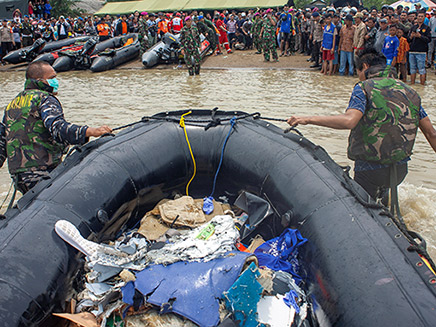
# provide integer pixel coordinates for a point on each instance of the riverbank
(237, 60)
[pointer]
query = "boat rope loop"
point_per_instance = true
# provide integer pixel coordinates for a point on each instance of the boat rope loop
(183, 125)
(232, 124)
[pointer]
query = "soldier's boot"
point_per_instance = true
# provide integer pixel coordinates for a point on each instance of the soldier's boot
(197, 70)
(191, 71)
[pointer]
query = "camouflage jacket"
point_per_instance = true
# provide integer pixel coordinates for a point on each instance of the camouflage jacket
(189, 38)
(34, 133)
(386, 132)
(203, 28)
(142, 27)
(269, 30)
(257, 26)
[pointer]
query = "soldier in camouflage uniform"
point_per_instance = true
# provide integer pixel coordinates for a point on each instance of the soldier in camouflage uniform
(257, 27)
(268, 34)
(383, 115)
(206, 27)
(143, 34)
(34, 134)
(190, 45)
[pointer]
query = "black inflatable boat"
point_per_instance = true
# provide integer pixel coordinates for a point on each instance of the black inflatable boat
(360, 268)
(125, 49)
(28, 54)
(167, 51)
(82, 59)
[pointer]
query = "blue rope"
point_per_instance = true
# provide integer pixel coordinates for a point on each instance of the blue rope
(232, 124)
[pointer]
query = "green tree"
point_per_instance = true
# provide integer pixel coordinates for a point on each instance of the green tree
(375, 3)
(65, 7)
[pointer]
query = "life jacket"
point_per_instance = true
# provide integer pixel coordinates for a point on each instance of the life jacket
(162, 26)
(123, 28)
(103, 29)
(387, 131)
(30, 145)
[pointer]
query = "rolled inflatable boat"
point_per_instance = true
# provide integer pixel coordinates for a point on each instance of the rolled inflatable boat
(357, 265)
(126, 49)
(28, 54)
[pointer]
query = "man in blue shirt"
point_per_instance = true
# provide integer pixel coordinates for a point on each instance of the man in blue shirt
(285, 30)
(390, 46)
(383, 115)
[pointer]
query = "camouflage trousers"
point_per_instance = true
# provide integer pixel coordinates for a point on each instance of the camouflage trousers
(143, 45)
(257, 42)
(292, 39)
(27, 180)
(192, 53)
(213, 39)
(270, 45)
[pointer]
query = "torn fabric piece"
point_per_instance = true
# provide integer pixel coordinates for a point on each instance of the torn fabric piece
(182, 212)
(243, 296)
(280, 253)
(191, 289)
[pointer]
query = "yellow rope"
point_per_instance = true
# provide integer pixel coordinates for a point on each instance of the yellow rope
(182, 124)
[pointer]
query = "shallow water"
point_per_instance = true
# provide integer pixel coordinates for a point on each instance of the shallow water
(122, 96)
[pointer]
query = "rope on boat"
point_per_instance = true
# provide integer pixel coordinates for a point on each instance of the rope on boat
(232, 124)
(182, 124)
(210, 122)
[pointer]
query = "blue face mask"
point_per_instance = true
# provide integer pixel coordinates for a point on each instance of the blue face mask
(54, 83)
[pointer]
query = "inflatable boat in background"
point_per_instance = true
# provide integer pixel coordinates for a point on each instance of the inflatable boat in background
(28, 54)
(167, 51)
(358, 264)
(126, 48)
(82, 59)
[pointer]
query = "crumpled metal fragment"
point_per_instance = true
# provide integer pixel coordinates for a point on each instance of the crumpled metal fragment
(187, 247)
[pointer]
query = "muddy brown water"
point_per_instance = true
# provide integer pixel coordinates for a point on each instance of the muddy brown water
(122, 96)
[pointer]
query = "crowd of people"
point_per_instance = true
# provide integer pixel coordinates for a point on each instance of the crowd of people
(332, 37)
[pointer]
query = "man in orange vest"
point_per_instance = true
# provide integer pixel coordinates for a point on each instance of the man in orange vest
(162, 25)
(103, 30)
(122, 27)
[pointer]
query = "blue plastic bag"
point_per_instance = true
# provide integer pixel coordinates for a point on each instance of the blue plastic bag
(208, 205)
(280, 253)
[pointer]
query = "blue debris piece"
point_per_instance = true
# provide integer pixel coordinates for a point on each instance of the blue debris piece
(190, 289)
(208, 205)
(289, 299)
(128, 293)
(280, 253)
(243, 296)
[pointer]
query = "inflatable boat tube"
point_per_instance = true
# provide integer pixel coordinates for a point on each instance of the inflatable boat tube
(28, 54)
(357, 265)
(115, 57)
(81, 61)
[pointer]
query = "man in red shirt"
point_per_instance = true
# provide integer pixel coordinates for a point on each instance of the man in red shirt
(221, 26)
(176, 24)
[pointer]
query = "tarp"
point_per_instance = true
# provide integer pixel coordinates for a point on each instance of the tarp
(426, 4)
(116, 8)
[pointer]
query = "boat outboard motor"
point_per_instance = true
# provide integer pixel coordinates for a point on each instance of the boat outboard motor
(31, 53)
(89, 47)
(170, 40)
